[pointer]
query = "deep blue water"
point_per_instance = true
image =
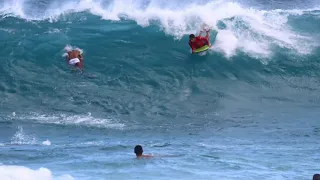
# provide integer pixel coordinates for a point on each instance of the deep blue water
(246, 109)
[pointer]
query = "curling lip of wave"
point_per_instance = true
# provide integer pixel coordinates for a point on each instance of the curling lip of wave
(253, 31)
(120, 8)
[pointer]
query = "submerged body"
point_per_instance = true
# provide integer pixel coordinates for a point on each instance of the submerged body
(74, 57)
(139, 152)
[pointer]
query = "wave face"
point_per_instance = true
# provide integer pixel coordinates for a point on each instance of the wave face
(259, 82)
(237, 27)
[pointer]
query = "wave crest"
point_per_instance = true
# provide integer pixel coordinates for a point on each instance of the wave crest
(255, 32)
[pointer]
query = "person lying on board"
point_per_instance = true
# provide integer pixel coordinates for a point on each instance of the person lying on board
(74, 57)
(197, 42)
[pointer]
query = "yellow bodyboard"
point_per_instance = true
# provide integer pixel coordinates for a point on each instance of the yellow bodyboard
(203, 48)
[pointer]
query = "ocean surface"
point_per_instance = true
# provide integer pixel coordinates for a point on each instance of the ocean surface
(246, 109)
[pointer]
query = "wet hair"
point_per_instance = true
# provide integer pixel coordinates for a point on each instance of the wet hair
(191, 36)
(138, 150)
(316, 177)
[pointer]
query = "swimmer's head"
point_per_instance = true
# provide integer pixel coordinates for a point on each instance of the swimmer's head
(138, 150)
(316, 177)
(192, 37)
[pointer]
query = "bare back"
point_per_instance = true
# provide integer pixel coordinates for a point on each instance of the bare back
(74, 54)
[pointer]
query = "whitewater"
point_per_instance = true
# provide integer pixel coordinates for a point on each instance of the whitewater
(248, 108)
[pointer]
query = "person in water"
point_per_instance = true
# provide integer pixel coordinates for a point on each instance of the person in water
(196, 42)
(138, 151)
(74, 57)
(316, 177)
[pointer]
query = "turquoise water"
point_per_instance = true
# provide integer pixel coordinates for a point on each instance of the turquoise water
(246, 109)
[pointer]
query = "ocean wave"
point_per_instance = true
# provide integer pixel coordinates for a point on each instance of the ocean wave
(235, 27)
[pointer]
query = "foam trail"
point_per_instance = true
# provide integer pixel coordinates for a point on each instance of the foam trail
(46, 143)
(21, 138)
(85, 120)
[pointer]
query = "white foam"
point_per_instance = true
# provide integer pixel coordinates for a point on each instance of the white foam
(13, 7)
(24, 173)
(226, 42)
(46, 143)
(85, 120)
(69, 48)
(55, 30)
(21, 138)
